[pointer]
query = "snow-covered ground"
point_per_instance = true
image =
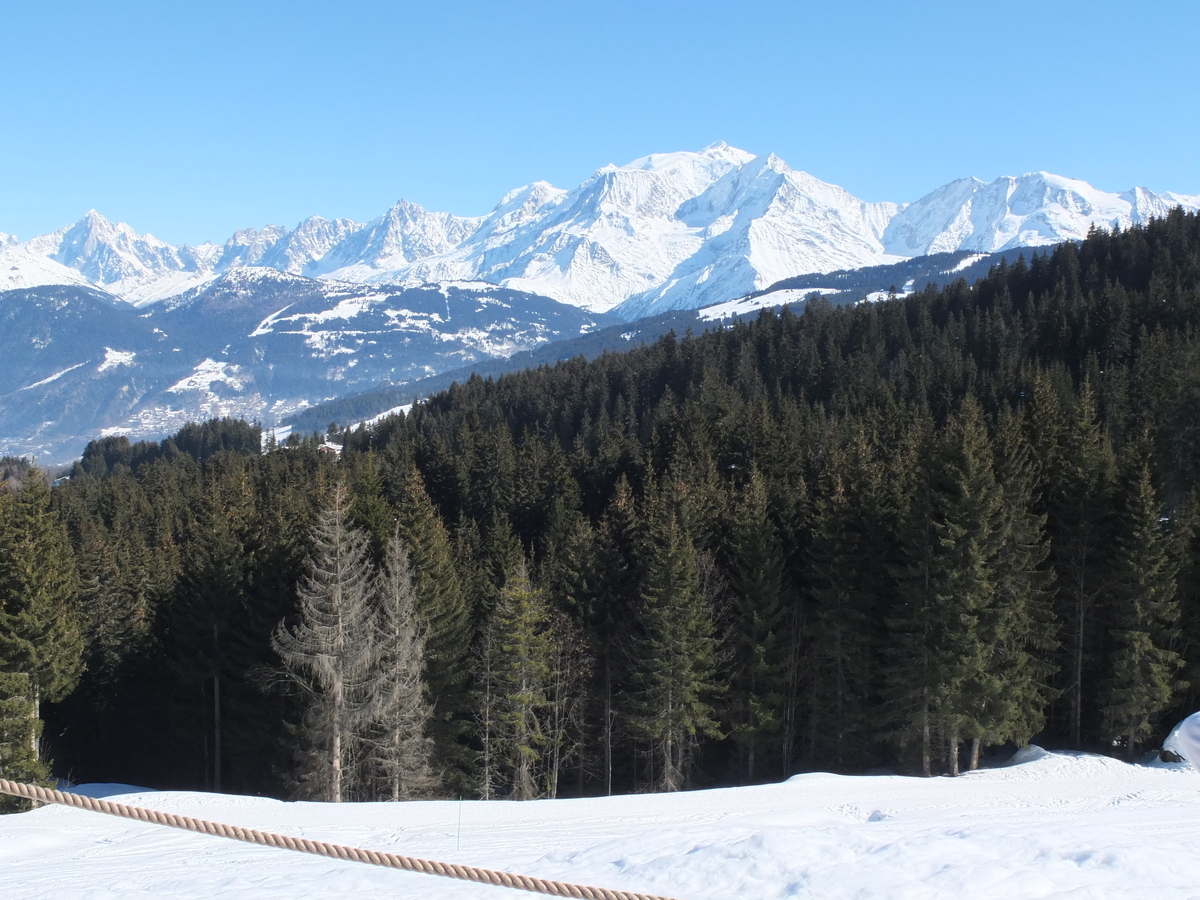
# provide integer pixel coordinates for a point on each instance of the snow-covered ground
(745, 306)
(1049, 826)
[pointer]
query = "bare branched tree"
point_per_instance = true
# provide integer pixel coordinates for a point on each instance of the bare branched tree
(328, 651)
(397, 747)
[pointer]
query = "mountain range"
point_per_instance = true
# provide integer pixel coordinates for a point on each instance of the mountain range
(668, 231)
(104, 330)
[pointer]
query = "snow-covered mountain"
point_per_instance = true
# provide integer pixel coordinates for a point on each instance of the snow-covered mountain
(668, 231)
(77, 363)
(1030, 211)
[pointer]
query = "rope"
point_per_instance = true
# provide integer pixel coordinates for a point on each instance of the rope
(321, 848)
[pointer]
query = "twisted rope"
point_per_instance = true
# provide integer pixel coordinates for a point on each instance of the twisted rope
(321, 848)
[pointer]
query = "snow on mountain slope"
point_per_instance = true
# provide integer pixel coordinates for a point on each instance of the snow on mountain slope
(382, 249)
(1052, 825)
(668, 231)
(299, 250)
(142, 269)
(758, 224)
(1028, 211)
(20, 268)
(614, 235)
(251, 342)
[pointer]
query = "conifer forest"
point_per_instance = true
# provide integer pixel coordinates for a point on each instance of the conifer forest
(893, 536)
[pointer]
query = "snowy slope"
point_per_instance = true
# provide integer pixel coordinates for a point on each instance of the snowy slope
(667, 231)
(20, 268)
(1055, 825)
(1029, 211)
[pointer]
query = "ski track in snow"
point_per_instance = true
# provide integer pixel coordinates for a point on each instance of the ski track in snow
(1055, 826)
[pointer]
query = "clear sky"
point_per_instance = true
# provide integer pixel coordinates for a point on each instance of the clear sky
(189, 120)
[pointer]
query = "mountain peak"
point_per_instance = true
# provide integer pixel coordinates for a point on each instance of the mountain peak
(663, 231)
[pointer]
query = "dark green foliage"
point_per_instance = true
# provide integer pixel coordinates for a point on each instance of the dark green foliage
(854, 537)
(673, 658)
(1143, 662)
(20, 731)
(759, 636)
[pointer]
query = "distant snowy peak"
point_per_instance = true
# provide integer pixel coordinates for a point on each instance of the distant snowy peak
(106, 253)
(404, 234)
(1026, 211)
(310, 241)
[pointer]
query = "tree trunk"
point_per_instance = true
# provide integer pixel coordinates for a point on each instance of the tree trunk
(335, 751)
(216, 710)
(35, 743)
(608, 727)
(926, 749)
(952, 753)
(1077, 688)
(976, 746)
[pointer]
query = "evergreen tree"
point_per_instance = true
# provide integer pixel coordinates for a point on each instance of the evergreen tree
(397, 752)
(519, 650)
(1080, 508)
(843, 583)
(941, 683)
(674, 656)
(611, 618)
(327, 651)
(41, 635)
(444, 611)
(759, 635)
(1020, 629)
(1143, 665)
(19, 731)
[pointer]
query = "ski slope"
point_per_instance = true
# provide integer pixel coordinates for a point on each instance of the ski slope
(1050, 825)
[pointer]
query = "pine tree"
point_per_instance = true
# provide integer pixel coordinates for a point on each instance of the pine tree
(397, 753)
(610, 618)
(327, 651)
(444, 610)
(674, 657)
(519, 662)
(1144, 666)
(1080, 507)
(19, 731)
(940, 681)
(1020, 628)
(843, 568)
(41, 635)
(759, 664)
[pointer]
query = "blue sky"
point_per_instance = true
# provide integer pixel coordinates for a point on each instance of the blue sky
(191, 120)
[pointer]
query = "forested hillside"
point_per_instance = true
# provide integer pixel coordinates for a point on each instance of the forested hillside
(895, 534)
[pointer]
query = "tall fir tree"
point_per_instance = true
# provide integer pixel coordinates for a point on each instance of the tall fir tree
(41, 633)
(444, 610)
(326, 651)
(1080, 514)
(397, 750)
(940, 680)
(758, 685)
(1020, 628)
(673, 659)
(1143, 664)
(840, 637)
(517, 674)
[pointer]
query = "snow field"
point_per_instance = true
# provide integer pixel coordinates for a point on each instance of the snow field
(1053, 826)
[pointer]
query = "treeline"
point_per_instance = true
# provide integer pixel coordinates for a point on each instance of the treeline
(896, 534)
